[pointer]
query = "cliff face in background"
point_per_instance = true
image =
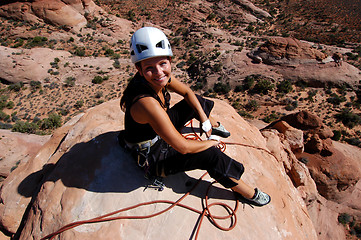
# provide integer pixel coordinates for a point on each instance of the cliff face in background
(68, 14)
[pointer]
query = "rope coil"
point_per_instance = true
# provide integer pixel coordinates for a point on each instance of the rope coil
(205, 212)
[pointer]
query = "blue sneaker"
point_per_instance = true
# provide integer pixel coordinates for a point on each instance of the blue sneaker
(260, 198)
(220, 131)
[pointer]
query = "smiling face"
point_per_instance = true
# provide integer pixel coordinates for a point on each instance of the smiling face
(156, 71)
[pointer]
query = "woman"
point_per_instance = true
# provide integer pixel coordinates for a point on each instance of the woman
(152, 128)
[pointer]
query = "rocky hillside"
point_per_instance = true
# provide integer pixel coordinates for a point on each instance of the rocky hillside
(58, 60)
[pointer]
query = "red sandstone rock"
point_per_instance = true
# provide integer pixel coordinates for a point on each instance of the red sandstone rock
(17, 148)
(67, 13)
(291, 48)
(93, 176)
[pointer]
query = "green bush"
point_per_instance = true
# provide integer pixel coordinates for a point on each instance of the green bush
(245, 114)
(116, 63)
(4, 117)
(99, 79)
(79, 104)
(336, 99)
(10, 105)
(271, 118)
(3, 101)
(222, 88)
(5, 125)
(348, 118)
(34, 85)
(52, 122)
(263, 86)
(292, 106)
(25, 127)
(108, 52)
(80, 51)
(311, 94)
(252, 106)
(249, 81)
(70, 81)
(37, 42)
(284, 87)
(16, 86)
(344, 218)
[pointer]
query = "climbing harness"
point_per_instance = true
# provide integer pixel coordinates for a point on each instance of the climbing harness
(142, 149)
(160, 186)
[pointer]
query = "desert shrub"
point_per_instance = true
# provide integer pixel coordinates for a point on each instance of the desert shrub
(311, 94)
(98, 94)
(116, 63)
(356, 230)
(18, 42)
(263, 86)
(99, 79)
(34, 85)
(25, 127)
(4, 117)
(10, 105)
(70, 81)
(245, 114)
(36, 42)
(252, 105)
(348, 118)
(79, 51)
(238, 88)
(217, 67)
(271, 118)
(5, 125)
(335, 99)
(292, 105)
(222, 88)
(284, 87)
(52, 122)
(344, 218)
(131, 15)
(249, 81)
(108, 52)
(79, 104)
(63, 111)
(16, 86)
(3, 101)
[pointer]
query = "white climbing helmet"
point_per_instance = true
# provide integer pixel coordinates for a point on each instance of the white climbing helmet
(149, 42)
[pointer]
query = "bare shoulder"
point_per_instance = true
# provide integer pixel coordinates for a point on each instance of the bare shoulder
(146, 109)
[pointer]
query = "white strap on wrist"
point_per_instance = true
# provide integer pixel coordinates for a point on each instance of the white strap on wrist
(206, 125)
(214, 137)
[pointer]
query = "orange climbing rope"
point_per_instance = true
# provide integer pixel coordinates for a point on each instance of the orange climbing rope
(205, 212)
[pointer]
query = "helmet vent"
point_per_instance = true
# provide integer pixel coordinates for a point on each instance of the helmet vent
(160, 44)
(141, 48)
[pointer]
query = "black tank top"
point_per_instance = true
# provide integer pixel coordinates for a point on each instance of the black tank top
(138, 88)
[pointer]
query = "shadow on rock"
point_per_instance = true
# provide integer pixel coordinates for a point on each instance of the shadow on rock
(101, 165)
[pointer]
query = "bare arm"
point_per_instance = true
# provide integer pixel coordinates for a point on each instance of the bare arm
(148, 110)
(190, 97)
